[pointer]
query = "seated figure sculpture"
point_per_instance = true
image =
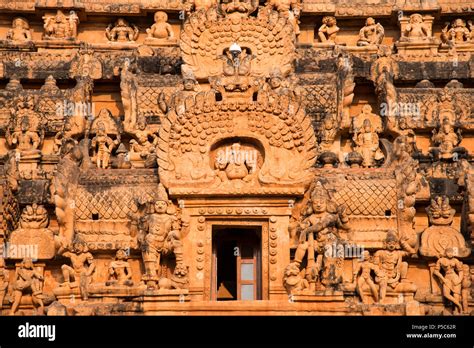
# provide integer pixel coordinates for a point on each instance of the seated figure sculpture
(20, 30)
(416, 29)
(455, 33)
(122, 31)
(60, 26)
(390, 262)
(371, 34)
(328, 31)
(161, 33)
(120, 272)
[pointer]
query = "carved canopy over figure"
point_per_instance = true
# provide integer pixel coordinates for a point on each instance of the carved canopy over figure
(371, 34)
(60, 26)
(122, 31)
(20, 30)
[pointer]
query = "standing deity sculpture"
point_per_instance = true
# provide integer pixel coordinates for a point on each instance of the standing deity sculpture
(366, 273)
(160, 235)
(327, 32)
(466, 288)
(60, 26)
(318, 231)
(121, 31)
(371, 34)
(102, 146)
(20, 31)
(449, 271)
(27, 280)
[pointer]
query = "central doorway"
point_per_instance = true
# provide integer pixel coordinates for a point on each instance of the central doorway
(236, 263)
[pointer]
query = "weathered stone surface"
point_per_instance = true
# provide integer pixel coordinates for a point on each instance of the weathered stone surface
(297, 157)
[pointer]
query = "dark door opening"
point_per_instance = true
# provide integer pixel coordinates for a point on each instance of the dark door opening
(236, 263)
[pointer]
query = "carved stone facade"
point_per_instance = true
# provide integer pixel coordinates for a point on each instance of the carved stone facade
(209, 157)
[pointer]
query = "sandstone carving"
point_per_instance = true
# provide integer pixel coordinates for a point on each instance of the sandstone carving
(449, 271)
(20, 30)
(120, 272)
(456, 33)
(161, 33)
(441, 235)
(371, 34)
(297, 157)
(61, 26)
(32, 230)
(327, 32)
(390, 261)
(160, 235)
(83, 266)
(28, 280)
(4, 281)
(121, 31)
(368, 274)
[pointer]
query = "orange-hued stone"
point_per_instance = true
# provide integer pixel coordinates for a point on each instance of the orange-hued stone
(220, 157)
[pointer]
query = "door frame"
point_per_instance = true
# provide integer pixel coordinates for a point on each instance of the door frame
(210, 265)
